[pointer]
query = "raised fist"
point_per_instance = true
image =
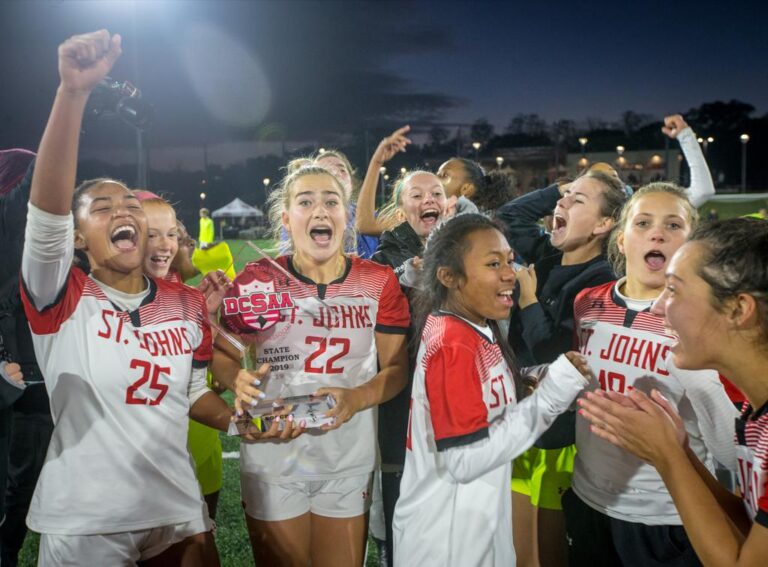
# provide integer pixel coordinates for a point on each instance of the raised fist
(673, 125)
(84, 60)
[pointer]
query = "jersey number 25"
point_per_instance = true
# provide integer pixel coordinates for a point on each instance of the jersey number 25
(149, 373)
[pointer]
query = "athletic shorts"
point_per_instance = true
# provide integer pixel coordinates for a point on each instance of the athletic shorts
(544, 475)
(205, 447)
(123, 548)
(338, 498)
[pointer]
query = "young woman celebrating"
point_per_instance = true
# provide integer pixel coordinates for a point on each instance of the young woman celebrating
(162, 237)
(418, 202)
(562, 264)
(336, 327)
(123, 357)
(466, 421)
(470, 189)
(716, 302)
(338, 164)
(167, 239)
(619, 511)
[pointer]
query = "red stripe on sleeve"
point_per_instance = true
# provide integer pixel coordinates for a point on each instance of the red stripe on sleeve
(455, 393)
(48, 320)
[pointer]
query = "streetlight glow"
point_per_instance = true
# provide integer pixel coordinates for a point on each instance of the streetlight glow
(583, 141)
(620, 150)
(710, 139)
(744, 139)
(202, 196)
(499, 161)
(321, 151)
(403, 170)
(382, 170)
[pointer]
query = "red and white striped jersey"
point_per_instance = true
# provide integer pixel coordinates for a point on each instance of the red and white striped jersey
(118, 384)
(315, 336)
(461, 385)
(626, 349)
(752, 456)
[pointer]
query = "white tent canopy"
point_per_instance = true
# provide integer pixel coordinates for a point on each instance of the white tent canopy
(236, 209)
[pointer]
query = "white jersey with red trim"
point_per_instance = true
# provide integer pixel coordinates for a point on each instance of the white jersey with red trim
(118, 384)
(627, 347)
(752, 455)
(461, 385)
(316, 336)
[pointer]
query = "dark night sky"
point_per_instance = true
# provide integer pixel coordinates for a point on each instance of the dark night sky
(229, 71)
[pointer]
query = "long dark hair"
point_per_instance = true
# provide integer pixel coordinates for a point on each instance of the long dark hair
(492, 188)
(446, 247)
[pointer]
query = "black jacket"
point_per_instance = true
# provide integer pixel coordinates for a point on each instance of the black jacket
(395, 247)
(544, 330)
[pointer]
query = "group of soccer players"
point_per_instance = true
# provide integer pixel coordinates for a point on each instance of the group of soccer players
(125, 348)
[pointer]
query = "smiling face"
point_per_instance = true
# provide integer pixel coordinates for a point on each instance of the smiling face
(338, 167)
(315, 217)
(485, 290)
(578, 219)
(423, 202)
(111, 227)
(163, 238)
(657, 225)
(688, 307)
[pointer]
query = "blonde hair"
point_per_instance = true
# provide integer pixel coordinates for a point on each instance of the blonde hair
(390, 215)
(279, 201)
(296, 164)
(615, 257)
(340, 155)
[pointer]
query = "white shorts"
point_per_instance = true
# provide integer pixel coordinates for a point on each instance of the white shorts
(338, 498)
(118, 549)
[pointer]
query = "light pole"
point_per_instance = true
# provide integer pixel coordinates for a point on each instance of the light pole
(477, 146)
(705, 142)
(266, 182)
(621, 160)
(499, 161)
(744, 139)
(583, 141)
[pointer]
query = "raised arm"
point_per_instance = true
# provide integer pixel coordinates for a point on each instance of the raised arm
(48, 245)
(702, 188)
(84, 60)
(521, 222)
(521, 424)
(365, 216)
